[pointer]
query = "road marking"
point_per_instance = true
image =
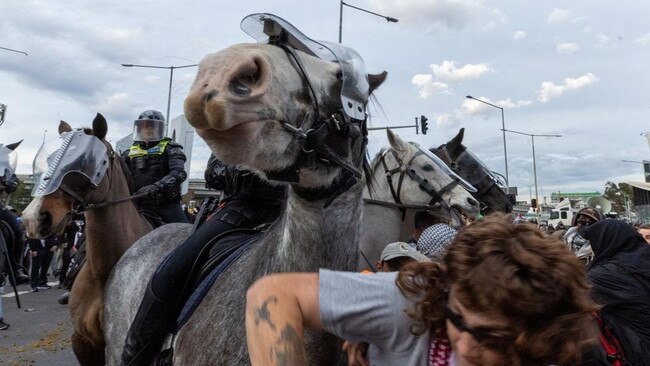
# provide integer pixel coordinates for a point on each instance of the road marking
(13, 294)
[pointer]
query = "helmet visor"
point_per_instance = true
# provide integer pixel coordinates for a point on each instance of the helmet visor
(71, 152)
(148, 130)
(8, 162)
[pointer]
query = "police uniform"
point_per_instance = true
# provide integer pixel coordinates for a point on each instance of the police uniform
(160, 164)
(249, 202)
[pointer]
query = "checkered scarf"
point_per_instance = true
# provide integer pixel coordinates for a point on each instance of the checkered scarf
(435, 239)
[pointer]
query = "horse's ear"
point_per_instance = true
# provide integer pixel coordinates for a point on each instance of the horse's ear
(457, 142)
(14, 145)
(99, 126)
(374, 80)
(64, 127)
(395, 141)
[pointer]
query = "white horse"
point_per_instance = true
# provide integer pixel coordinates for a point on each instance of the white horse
(405, 176)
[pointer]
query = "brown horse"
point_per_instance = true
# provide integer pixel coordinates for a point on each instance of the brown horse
(112, 225)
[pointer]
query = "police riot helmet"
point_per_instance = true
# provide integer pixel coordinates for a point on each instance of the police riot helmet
(150, 126)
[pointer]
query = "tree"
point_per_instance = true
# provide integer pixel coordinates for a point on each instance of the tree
(617, 194)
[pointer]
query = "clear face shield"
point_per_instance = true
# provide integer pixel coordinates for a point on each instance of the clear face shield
(441, 164)
(148, 130)
(269, 28)
(8, 162)
(72, 151)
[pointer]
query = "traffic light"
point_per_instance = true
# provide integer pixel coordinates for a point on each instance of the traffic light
(424, 124)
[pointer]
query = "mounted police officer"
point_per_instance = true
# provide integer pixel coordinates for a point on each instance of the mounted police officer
(247, 202)
(15, 234)
(158, 167)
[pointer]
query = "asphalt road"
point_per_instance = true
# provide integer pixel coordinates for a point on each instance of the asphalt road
(39, 332)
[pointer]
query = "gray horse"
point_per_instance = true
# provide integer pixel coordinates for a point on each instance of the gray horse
(292, 111)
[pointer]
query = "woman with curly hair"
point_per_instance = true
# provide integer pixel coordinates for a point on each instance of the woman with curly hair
(505, 295)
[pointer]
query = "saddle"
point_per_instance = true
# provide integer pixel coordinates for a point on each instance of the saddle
(222, 251)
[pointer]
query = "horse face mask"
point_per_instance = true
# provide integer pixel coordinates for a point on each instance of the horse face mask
(72, 152)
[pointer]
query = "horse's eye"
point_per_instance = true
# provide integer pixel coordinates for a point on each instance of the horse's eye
(427, 168)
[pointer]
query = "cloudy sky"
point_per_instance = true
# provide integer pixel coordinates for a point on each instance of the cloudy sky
(578, 69)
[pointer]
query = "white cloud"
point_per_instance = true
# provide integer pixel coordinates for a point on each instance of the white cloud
(566, 48)
(644, 39)
(447, 70)
(443, 119)
(151, 79)
(519, 35)
(473, 107)
(428, 87)
(602, 40)
(558, 16)
(549, 90)
(447, 14)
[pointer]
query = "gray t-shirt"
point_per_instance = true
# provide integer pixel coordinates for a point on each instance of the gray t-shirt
(370, 308)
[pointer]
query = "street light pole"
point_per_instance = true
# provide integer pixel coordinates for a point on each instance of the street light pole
(503, 129)
(532, 136)
(171, 76)
(388, 19)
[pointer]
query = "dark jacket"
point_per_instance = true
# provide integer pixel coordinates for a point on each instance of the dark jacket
(161, 163)
(620, 276)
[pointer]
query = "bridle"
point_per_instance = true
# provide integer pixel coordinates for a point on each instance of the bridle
(80, 203)
(313, 142)
(487, 181)
(403, 170)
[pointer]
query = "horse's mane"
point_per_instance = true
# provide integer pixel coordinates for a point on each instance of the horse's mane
(127, 173)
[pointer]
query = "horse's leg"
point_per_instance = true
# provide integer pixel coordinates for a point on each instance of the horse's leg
(86, 352)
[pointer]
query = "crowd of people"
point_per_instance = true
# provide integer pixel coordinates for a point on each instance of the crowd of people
(495, 292)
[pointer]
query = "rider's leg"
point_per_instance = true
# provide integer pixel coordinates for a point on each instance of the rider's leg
(156, 316)
(171, 213)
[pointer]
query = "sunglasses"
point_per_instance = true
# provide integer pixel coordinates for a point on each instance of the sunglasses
(489, 338)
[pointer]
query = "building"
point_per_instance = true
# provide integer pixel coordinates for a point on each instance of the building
(557, 197)
(641, 200)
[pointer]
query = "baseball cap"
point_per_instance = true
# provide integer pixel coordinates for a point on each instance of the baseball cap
(401, 249)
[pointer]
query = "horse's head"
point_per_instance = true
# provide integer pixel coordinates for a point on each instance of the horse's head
(69, 175)
(417, 177)
(490, 188)
(279, 110)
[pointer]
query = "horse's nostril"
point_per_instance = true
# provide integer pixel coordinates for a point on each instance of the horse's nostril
(472, 201)
(237, 88)
(211, 94)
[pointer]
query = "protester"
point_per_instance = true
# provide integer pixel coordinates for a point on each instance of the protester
(42, 251)
(396, 255)
(422, 220)
(644, 230)
(3, 324)
(620, 278)
(158, 167)
(435, 239)
(506, 295)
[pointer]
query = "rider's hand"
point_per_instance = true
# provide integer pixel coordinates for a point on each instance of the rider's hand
(357, 353)
(151, 190)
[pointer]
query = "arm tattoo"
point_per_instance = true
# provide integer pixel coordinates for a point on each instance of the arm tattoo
(289, 350)
(262, 313)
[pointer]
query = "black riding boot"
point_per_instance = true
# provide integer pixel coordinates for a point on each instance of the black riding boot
(153, 322)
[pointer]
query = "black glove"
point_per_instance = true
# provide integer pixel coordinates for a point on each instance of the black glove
(151, 190)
